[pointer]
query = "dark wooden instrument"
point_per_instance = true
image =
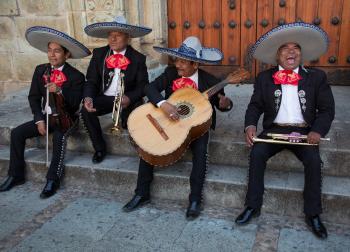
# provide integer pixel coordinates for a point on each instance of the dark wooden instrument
(59, 116)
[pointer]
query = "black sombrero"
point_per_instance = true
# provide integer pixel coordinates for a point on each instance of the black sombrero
(101, 30)
(40, 36)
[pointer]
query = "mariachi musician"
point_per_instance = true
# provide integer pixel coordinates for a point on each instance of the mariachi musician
(111, 65)
(185, 73)
(63, 84)
(294, 100)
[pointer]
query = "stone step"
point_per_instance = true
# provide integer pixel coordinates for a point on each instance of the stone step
(225, 185)
(221, 151)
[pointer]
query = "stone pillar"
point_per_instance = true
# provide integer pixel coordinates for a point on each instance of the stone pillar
(153, 14)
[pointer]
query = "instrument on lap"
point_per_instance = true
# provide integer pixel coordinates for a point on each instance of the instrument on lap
(291, 139)
(160, 141)
(58, 116)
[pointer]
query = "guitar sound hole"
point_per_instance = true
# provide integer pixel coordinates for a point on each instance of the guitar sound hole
(183, 110)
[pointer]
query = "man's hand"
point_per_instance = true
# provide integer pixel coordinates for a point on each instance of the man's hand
(250, 132)
(224, 102)
(41, 128)
(125, 101)
(313, 137)
(89, 105)
(170, 110)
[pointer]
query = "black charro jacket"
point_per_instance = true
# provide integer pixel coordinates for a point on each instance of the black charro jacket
(319, 111)
(72, 90)
(135, 77)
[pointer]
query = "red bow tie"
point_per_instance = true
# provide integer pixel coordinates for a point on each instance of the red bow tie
(286, 77)
(57, 77)
(183, 82)
(117, 61)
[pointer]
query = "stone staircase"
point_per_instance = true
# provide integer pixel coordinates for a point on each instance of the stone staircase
(227, 173)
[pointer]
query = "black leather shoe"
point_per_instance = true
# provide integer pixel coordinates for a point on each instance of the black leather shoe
(136, 202)
(316, 225)
(247, 215)
(193, 210)
(11, 182)
(98, 157)
(50, 188)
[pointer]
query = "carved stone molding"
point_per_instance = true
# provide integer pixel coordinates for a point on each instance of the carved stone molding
(98, 5)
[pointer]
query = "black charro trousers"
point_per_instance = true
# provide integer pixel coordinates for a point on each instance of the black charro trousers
(308, 155)
(197, 177)
(103, 105)
(20, 134)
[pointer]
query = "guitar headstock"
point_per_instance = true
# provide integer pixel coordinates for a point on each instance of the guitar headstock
(237, 76)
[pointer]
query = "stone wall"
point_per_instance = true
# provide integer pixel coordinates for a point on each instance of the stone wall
(18, 58)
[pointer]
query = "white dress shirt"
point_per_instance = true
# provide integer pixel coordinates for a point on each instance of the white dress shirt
(114, 88)
(60, 68)
(193, 77)
(290, 111)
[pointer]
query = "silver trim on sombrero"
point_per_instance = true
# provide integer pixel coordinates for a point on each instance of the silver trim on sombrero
(77, 49)
(267, 35)
(100, 30)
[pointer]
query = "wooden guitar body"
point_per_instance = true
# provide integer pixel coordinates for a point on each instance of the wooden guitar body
(161, 141)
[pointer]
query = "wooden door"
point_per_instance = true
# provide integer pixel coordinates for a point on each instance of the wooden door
(234, 25)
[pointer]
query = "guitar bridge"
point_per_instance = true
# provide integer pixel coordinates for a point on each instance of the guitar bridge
(157, 126)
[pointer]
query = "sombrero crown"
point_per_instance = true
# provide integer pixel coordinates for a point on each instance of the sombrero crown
(312, 40)
(191, 49)
(40, 36)
(101, 29)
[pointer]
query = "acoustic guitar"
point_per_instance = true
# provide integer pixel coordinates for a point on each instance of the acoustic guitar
(161, 141)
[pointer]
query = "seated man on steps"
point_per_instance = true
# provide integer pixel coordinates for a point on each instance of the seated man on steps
(292, 99)
(107, 66)
(67, 83)
(185, 73)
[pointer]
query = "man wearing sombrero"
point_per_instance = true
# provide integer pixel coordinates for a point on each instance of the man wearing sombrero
(106, 66)
(185, 73)
(61, 79)
(292, 99)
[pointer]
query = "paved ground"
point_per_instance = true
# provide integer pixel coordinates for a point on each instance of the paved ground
(76, 220)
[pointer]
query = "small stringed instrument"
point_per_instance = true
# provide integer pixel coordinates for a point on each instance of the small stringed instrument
(161, 141)
(59, 117)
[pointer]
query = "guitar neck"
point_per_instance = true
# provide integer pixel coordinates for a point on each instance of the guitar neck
(213, 90)
(235, 77)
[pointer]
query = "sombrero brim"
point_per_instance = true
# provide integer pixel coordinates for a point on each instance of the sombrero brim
(209, 55)
(101, 30)
(312, 40)
(40, 36)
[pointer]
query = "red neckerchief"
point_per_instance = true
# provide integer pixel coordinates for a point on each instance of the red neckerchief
(117, 61)
(57, 77)
(183, 82)
(286, 77)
